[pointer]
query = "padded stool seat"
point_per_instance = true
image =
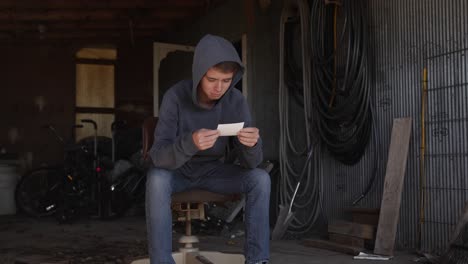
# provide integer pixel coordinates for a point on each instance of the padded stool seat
(200, 196)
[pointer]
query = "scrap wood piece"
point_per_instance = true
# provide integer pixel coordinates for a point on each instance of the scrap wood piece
(393, 187)
(367, 216)
(352, 229)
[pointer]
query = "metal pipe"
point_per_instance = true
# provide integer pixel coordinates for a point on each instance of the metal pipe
(422, 180)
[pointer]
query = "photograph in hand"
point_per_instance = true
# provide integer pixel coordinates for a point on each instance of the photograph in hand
(230, 129)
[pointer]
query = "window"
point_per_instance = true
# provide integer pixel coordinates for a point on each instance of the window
(95, 86)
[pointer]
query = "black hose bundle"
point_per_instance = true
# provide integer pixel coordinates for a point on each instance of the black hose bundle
(293, 58)
(295, 115)
(341, 101)
(335, 106)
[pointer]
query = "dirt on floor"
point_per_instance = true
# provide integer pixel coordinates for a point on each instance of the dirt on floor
(44, 240)
(25, 240)
(28, 240)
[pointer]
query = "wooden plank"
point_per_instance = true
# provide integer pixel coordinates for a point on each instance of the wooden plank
(367, 216)
(88, 14)
(347, 240)
(328, 245)
(352, 229)
(393, 187)
(366, 219)
(93, 4)
(146, 23)
(363, 210)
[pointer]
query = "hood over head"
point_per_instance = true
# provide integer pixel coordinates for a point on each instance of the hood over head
(210, 51)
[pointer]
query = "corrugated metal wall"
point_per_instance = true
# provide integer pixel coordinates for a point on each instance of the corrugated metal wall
(408, 36)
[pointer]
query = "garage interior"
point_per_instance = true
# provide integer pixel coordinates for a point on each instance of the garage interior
(367, 98)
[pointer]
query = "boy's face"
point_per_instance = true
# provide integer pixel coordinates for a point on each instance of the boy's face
(213, 86)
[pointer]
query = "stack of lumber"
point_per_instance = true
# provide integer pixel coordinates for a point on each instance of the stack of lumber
(350, 237)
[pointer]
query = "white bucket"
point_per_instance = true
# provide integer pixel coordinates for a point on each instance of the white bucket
(8, 179)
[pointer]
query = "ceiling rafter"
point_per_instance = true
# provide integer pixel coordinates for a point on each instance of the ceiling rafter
(104, 4)
(87, 18)
(90, 14)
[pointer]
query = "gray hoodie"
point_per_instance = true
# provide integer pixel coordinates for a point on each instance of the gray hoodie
(180, 115)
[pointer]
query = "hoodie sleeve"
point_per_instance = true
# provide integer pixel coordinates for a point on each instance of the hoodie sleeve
(170, 151)
(249, 157)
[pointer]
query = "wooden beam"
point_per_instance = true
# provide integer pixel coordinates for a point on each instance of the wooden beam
(123, 4)
(103, 34)
(393, 186)
(91, 14)
(93, 110)
(79, 24)
(91, 40)
(78, 31)
(93, 62)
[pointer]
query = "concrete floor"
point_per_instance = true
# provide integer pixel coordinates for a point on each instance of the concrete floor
(29, 240)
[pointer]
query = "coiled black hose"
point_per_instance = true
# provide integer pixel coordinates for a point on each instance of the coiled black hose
(294, 83)
(344, 120)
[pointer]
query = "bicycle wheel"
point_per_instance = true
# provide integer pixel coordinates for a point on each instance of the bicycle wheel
(126, 190)
(38, 192)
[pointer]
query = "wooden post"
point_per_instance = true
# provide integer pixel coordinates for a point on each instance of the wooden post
(188, 221)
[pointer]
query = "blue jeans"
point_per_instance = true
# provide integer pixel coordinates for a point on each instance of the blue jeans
(222, 178)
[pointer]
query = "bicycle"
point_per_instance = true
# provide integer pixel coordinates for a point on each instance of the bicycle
(69, 189)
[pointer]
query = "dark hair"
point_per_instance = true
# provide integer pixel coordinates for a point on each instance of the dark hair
(227, 66)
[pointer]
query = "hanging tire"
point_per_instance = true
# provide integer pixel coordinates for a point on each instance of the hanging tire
(37, 193)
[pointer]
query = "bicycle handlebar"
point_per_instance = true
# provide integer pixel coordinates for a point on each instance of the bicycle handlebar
(91, 122)
(68, 147)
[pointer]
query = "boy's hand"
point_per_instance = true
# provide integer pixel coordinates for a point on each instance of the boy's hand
(248, 136)
(205, 138)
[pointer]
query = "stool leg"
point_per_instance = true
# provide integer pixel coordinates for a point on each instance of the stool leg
(188, 221)
(188, 240)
